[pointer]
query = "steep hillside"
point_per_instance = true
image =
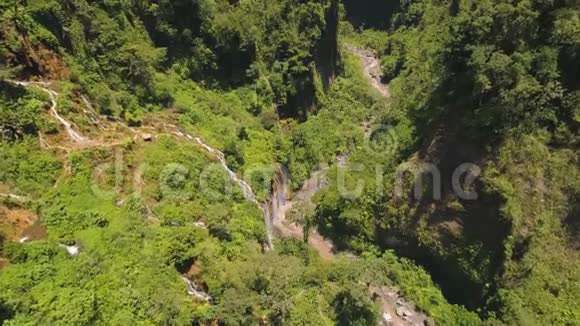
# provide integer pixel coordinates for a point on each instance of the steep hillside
(149, 150)
(492, 84)
(140, 145)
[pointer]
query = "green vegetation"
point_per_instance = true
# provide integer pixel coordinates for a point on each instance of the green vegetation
(276, 83)
(493, 83)
(26, 169)
(126, 272)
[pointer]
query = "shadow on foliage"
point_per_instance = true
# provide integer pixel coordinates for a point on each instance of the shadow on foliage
(351, 310)
(470, 233)
(6, 313)
(377, 14)
(572, 222)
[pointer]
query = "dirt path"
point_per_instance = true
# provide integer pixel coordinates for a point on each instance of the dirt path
(14, 220)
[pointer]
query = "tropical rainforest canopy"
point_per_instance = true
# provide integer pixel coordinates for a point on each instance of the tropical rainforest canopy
(145, 146)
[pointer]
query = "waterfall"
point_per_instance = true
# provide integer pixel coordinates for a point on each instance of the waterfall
(194, 292)
(90, 111)
(270, 211)
(74, 135)
(279, 193)
(244, 186)
(275, 206)
(72, 250)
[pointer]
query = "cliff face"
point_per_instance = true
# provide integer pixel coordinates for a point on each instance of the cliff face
(453, 226)
(327, 47)
(322, 64)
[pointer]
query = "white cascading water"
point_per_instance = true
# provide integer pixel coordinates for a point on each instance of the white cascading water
(74, 135)
(194, 292)
(90, 111)
(279, 194)
(246, 189)
(269, 211)
(72, 250)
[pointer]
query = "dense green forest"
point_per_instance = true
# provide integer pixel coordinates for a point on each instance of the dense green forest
(494, 83)
(117, 207)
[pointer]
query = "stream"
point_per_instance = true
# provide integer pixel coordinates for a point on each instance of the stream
(395, 309)
(282, 203)
(372, 69)
(78, 138)
(244, 186)
(72, 250)
(193, 291)
(73, 134)
(398, 311)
